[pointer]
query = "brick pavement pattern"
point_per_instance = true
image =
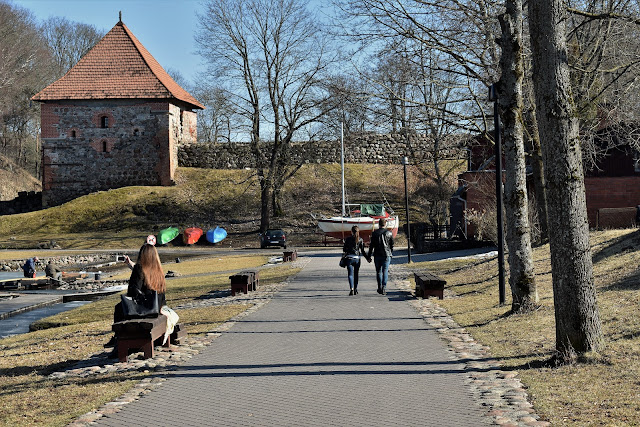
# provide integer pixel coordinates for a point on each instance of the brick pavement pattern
(315, 356)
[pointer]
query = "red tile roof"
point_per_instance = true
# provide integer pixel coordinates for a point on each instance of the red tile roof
(117, 67)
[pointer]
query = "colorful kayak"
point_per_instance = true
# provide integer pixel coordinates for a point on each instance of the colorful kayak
(191, 235)
(216, 235)
(168, 234)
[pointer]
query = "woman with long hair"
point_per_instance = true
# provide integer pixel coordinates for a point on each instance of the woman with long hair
(351, 250)
(147, 276)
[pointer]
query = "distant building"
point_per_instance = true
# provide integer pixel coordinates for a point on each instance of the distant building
(612, 183)
(114, 120)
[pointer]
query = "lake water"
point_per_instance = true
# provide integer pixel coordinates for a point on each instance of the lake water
(20, 324)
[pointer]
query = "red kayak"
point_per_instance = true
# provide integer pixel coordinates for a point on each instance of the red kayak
(191, 235)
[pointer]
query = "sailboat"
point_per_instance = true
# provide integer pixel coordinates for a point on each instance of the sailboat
(367, 217)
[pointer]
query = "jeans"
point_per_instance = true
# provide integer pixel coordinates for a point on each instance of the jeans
(382, 271)
(353, 268)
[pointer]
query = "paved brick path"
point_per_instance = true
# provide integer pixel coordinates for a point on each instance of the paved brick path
(315, 356)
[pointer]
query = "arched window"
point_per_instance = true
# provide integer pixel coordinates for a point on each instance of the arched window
(104, 146)
(104, 122)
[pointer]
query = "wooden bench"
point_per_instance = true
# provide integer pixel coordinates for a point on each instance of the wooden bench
(289, 256)
(428, 284)
(139, 334)
(244, 281)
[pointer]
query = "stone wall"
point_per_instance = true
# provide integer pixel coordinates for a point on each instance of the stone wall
(360, 148)
(97, 145)
(27, 201)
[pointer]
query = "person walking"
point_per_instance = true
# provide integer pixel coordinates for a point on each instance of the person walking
(382, 248)
(351, 250)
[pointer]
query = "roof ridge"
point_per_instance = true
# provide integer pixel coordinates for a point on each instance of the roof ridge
(152, 62)
(118, 66)
(138, 45)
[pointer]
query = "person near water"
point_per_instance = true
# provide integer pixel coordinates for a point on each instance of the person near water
(146, 276)
(53, 271)
(29, 267)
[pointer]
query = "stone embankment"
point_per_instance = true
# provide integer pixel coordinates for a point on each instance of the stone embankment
(363, 148)
(62, 261)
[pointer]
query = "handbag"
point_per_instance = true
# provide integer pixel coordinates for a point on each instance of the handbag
(143, 306)
(343, 261)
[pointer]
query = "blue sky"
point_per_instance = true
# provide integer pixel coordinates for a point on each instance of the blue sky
(165, 27)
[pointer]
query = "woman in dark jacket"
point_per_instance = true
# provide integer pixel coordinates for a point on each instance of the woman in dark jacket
(351, 250)
(147, 276)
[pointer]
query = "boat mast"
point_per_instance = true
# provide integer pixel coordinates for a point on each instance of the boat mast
(344, 212)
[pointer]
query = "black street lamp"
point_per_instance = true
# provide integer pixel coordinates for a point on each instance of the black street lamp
(405, 162)
(493, 96)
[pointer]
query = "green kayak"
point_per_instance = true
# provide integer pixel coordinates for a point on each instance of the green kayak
(167, 235)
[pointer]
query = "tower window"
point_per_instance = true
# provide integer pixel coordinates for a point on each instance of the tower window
(73, 134)
(104, 146)
(104, 122)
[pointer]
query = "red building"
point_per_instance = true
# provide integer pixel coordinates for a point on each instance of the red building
(114, 119)
(612, 185)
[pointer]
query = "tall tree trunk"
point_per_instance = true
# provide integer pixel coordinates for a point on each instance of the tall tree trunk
(537, 169)
(578, 327)
(522, 277)
(265, 196)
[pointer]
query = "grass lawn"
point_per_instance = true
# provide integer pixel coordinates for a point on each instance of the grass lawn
(29, 397)
(603, 388)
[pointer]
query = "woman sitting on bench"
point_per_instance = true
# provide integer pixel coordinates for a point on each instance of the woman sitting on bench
(147, 276)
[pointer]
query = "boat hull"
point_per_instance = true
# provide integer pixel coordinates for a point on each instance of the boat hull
(166, 235)
(340, 227)
(216, 235)
(191, 235)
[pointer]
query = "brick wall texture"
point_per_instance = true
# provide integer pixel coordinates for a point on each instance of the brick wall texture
(138, 146)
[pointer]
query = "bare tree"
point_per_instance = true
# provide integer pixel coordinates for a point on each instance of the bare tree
(68, 41)
(578, 327)
(271, 56)
(522, 277)
(24, 65)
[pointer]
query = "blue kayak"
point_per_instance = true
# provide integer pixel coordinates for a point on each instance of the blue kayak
(216, 235)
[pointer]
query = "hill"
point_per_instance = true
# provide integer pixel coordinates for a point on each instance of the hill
(207, 198)
(14, 179)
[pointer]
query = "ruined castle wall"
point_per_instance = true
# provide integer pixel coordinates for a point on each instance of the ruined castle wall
(360, 148)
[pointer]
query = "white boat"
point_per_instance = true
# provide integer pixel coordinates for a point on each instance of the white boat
(339, 227)
(366, 218)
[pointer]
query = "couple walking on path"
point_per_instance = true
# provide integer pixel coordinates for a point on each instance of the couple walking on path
(381, 246)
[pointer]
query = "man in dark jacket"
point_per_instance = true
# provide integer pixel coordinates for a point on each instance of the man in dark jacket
(53, 271)
(382, 248)
(29, 267)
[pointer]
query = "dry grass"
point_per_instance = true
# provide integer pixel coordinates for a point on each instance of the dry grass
(603, 388)
(28, 397)
(123, 217)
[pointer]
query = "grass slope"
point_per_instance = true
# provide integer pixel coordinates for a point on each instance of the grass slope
(205, 198)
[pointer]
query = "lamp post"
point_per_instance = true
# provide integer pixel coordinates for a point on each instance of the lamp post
(405, 162)
(493, 96)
